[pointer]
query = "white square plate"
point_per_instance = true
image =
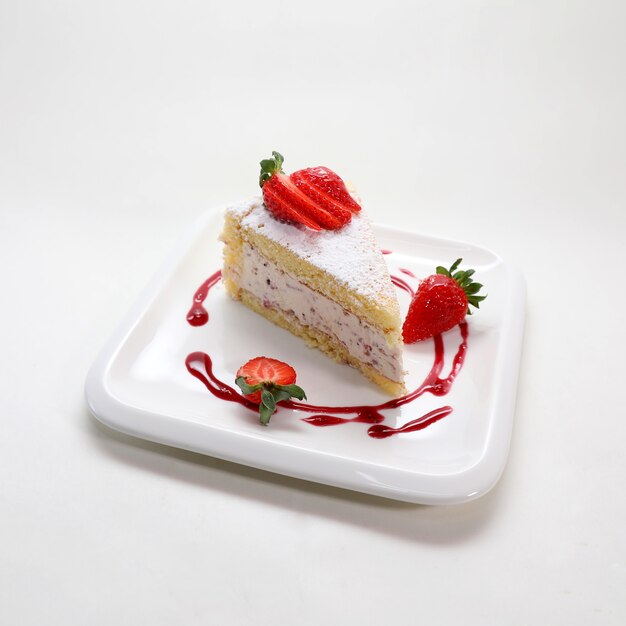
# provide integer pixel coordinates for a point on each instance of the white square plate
(140, 385)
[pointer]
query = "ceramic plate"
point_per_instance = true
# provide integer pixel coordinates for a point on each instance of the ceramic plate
(140, 384)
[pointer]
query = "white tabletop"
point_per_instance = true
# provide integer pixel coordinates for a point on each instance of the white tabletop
(497, 123)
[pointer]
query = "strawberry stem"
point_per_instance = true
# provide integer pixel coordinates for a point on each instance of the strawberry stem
(269, 167)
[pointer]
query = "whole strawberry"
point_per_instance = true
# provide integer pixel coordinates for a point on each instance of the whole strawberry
(266, 382)
(315, 196)
(440, 303)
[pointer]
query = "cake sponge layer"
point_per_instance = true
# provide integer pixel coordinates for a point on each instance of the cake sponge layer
(315, 339)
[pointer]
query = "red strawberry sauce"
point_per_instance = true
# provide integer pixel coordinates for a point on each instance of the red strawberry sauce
(199, 364)
(198, 315)
(402, 284)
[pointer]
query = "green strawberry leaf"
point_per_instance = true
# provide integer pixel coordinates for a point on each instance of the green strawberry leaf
(473, 288)
(267, 408)
(280, 395)
(294, 391)
(455, 265)
(265, 414)
(267, 399)
(475, 298)
(245, 388)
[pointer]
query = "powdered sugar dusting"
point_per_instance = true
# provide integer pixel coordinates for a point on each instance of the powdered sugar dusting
(351, 254)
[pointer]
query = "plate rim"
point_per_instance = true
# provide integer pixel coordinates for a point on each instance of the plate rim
(452, 488)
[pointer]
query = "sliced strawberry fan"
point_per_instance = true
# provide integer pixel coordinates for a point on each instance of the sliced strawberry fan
(315, 197)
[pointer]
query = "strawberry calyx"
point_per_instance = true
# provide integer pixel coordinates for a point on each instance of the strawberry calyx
(271, 394)
(269, 167)
(464, 279)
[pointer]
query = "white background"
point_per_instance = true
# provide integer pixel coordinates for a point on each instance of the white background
(501, 123)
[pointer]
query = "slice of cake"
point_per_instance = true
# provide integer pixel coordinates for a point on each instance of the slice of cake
(329, 286)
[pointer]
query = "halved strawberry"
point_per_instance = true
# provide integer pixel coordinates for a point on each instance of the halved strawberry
(440, 303)
(266, 382)
(315, 197)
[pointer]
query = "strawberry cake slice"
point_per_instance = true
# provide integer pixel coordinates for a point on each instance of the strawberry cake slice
(304, 257)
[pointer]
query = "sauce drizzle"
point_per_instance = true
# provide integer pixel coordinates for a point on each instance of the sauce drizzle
(402, 284)
(197, 314)
(200, 365)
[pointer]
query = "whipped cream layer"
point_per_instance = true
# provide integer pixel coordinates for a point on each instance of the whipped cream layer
(278, 290)
(351, 255)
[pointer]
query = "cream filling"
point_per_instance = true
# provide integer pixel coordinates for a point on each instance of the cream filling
(278, 290)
